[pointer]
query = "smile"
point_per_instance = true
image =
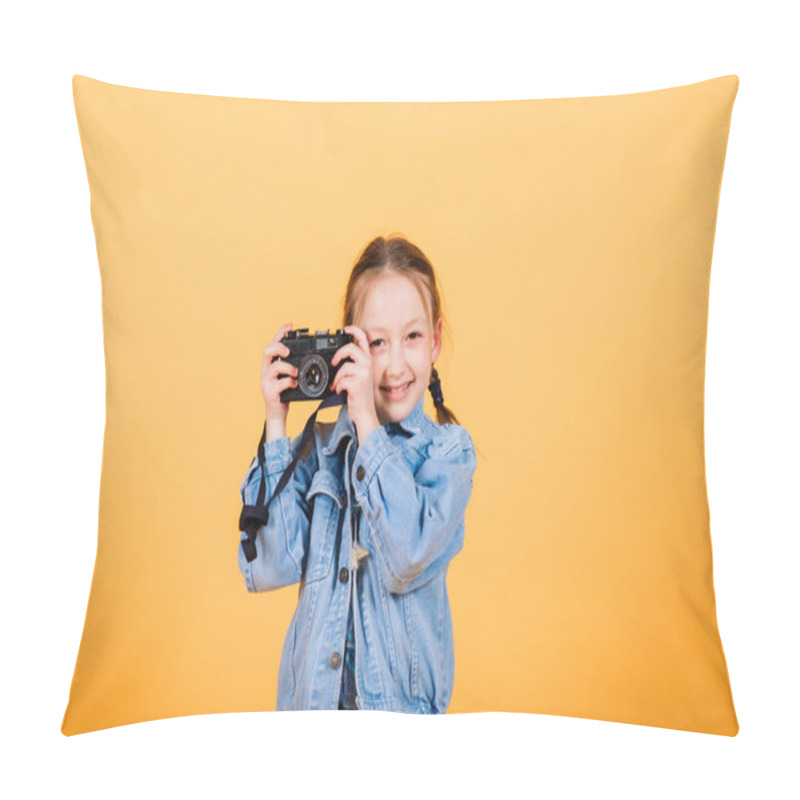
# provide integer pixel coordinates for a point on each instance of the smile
(398, 392)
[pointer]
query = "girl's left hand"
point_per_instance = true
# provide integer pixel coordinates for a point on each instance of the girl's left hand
(356, 377)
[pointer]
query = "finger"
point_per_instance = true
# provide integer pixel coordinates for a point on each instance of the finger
(273, 352)
(282, 332)
(282, 368)
(360, 342)
(280, 386)
(284, 383)
(359, 335)
(276, 348)
(352, 350)
(351, 372)
(345, 371)
(342, 377)
(276, 345)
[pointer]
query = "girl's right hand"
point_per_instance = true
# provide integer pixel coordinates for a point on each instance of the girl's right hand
(271, 384)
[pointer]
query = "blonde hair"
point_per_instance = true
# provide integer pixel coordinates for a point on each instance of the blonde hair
(396, 254)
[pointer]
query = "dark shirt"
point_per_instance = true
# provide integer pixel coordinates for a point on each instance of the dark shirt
(347, 698)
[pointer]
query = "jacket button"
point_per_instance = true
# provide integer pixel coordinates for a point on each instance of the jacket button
(335, 661)
(360, 472)
(344, 574)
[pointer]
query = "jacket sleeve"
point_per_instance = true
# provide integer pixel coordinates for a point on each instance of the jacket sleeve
(282, 543)
(416, 519)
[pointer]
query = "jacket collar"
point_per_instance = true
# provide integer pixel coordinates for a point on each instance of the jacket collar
(344, 426)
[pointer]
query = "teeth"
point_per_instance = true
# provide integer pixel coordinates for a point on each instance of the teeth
(398, 388)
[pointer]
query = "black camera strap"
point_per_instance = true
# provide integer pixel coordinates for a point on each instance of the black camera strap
(253, 517)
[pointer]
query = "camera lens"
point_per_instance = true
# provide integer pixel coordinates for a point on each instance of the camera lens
(312, 376)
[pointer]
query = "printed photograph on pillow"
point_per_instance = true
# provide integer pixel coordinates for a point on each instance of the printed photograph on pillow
(404, 407)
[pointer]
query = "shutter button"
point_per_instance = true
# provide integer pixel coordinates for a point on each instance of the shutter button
(360, 472)
(343, 575)
(335, 661)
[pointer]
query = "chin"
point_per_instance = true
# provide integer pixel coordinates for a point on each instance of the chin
(397, 412)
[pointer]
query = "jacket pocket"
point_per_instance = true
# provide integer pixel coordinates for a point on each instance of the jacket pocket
(326, 501)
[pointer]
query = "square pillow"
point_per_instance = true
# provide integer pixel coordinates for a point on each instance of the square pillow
(572, 239)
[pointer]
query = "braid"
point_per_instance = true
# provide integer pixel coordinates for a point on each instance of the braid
(435, 387)
(443, 413)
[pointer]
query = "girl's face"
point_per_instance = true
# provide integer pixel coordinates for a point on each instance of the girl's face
(402, 347)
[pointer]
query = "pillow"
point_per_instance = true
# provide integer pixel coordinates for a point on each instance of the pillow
(573, 241)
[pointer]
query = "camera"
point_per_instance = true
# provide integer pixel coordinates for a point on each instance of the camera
(312, 354)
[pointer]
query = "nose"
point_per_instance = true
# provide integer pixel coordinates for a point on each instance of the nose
(395, 366)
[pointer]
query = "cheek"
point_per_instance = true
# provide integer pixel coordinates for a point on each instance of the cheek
(420, 359)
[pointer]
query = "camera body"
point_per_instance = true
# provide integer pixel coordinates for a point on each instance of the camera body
(312, 354)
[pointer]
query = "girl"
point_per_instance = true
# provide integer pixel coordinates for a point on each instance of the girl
(374, 511)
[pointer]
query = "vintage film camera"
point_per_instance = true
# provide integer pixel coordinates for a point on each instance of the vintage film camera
(312, 354)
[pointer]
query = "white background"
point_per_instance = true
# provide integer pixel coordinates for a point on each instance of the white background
(54, 386)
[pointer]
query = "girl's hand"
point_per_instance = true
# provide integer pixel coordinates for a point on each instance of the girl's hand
(356, 379)
(272, 382)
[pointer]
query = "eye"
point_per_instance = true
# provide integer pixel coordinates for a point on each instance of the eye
(415, 333)
(375, 342)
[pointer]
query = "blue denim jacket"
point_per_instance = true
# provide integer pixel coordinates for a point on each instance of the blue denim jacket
(374, 524)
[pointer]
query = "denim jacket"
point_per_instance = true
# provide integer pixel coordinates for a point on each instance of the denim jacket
(374, 524)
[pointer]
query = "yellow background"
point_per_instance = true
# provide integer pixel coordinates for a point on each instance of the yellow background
(573, 242)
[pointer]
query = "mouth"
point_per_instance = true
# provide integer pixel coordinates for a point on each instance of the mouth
(396, 391)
